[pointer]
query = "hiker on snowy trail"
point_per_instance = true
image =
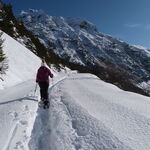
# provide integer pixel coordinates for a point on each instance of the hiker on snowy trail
(42, 78)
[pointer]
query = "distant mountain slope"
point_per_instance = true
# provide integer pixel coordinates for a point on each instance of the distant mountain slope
(10, 25)
(79, 42)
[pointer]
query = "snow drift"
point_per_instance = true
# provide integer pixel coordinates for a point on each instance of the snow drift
(22, 62)
(89, 114)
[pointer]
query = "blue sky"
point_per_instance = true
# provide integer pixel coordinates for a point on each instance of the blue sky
(128, 20)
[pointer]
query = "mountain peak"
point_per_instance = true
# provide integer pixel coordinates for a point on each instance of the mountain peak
(78, 41)
(32, 11)
(75, 22)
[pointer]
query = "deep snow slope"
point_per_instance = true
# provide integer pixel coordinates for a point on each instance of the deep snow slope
(18, 103)
(88, 114)
(22, 63)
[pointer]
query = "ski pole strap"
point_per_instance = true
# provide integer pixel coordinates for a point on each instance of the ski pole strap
(35, 88)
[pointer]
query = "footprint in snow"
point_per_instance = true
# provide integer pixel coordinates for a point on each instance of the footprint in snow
(14, 115)
(23, 122)
(26, 108)
(19, 146)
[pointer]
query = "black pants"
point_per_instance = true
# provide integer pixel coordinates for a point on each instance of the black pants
(44, 90)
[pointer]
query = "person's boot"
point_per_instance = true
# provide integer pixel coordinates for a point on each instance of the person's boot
(46, 103)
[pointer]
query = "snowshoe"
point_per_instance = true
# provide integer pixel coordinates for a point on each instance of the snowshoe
(46, 104)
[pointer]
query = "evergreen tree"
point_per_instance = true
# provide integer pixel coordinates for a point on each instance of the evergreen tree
(7, 19)
(3, 61)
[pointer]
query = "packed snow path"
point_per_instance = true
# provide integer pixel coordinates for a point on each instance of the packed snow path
(88, 114)
(18, 106)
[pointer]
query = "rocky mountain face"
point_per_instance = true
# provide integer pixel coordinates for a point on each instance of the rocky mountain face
(79, 42)
(76, 43)
(13, 27)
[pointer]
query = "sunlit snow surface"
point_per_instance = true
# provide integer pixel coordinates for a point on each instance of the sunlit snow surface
(22, 62)
(85, 113)
(89, 114)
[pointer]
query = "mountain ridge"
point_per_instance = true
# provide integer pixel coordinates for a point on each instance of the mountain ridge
(77, 44)
(78, 41)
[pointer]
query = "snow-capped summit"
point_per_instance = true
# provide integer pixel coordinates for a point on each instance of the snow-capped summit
(78, 41)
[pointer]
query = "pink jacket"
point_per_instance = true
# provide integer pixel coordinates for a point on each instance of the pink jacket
(43, 74)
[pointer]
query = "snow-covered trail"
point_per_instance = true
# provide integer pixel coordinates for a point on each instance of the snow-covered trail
(18, 107)
(17, 114)
(89, 114)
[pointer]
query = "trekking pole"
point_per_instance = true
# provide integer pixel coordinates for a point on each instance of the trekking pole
(35, 89)
(52, 81)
